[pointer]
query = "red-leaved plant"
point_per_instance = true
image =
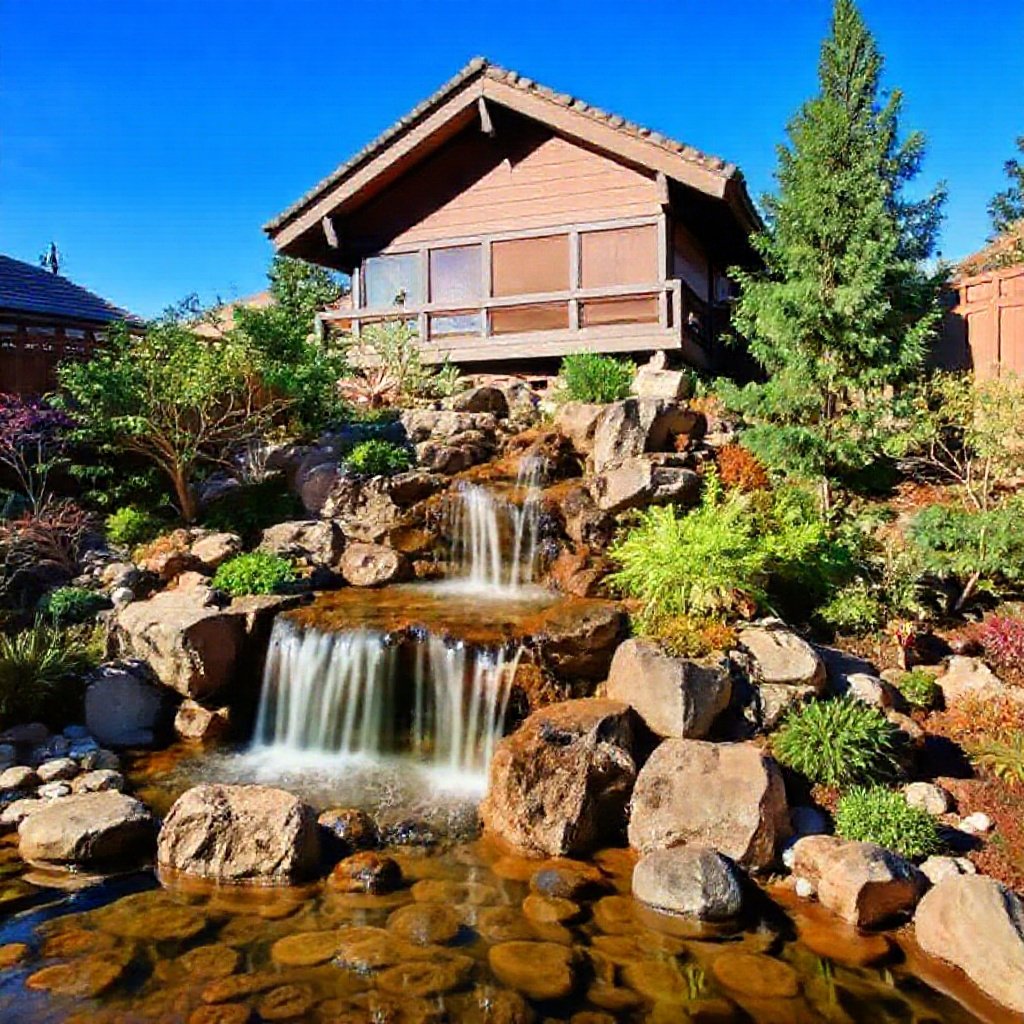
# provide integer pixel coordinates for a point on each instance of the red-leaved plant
(1002, 639)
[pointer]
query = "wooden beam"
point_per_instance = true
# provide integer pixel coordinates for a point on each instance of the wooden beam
(327, 222)
(663, 196)
(486, 124)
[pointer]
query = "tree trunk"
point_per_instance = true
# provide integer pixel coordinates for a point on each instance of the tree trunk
(186, 495)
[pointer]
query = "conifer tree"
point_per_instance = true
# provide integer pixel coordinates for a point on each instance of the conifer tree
(842, 306)
(1007, 207)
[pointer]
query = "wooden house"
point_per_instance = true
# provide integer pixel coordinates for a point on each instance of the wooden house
(511, 223)
(44, 319)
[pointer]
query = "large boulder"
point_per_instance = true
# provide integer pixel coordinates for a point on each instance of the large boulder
(978, 925)
(313, 541)
(863, 883)
(689, 880)
(482, 399)
(123, 705)
(87, 829)
(657, 478)
(970, 677)
(240, 833)
(214, 549)
(655, 381)
(637, 425)
(676, 697)
(373, 565)
(191, 646)
(578, 422)
(560, 783)
(727, 796)
(780, 657)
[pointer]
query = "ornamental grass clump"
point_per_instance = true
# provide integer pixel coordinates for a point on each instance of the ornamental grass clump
(840, 743)
(589, 377)
(883, 816)
(254, 573)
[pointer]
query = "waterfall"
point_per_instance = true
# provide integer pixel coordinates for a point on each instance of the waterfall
(494, 538)
(348, 694)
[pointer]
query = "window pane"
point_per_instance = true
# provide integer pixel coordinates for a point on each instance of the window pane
(393, 281)
(455, 324)
(456, 274)
(641, 310)
(525, 266)
(619, 256)
(540, 316)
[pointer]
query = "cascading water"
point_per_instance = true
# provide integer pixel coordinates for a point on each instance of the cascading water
(342, 694)
(494, 538)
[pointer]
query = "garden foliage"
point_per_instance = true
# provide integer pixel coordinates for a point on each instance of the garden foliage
(67, 606)
(839, 742)
(590, 377)
(883, 816)
(130, 526)
(256, 572)
(378, 457)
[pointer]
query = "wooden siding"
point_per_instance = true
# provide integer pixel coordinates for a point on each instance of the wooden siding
(524, 178)
(987, 323)
(31, 352)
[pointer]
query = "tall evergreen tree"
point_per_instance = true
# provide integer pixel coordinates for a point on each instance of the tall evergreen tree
(1008, 206)
(842, 306)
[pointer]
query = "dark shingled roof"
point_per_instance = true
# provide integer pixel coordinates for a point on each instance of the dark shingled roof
(28, 289)
(481, 66)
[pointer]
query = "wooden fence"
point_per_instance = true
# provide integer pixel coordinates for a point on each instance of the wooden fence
(984, 330)
(29, 354)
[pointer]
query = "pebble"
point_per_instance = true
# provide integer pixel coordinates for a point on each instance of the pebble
(19, 777)
(98, 781)
(756, 976)
(926, 796)
(17, 812)
(100, 759)
(976, 823)
(366, 872)
(804, 888)
(539, 970)
(57, 769)
(425, 923)
(935, 869)
(85, 978)
(54, 790)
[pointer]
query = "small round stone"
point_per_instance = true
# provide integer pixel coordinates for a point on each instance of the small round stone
(540, 970)
(225, 1013)
(366, 872)
(425, 923)
(347, 830)
(656, 980)
(305, 949)
(550, 909)
(286, 1002)
(207, 963)
(503, 924)
(424, 978)
(12, 953)
(926, 796)
(84, 978)
(76, 942)
(756, 976)
(568, 883)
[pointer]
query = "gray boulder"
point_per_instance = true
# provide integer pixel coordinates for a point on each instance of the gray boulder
(676, 697)
(578, 422)
(729, 796)
(91, 828)
(123, 705)
(637, 425)
(314, 541)
(780, 657)
(482, 399)
(658, 478)
(240, 833)
(691, 880)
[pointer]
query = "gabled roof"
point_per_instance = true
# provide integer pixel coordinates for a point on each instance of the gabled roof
(561, 111)
(1006, 249)
(25, 288)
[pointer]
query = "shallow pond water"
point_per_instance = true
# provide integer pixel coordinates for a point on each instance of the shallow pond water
(473, 934)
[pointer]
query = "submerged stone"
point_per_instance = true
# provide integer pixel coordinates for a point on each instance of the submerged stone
(366, 872)
(540, 970)
(86, 978)
(425, 923)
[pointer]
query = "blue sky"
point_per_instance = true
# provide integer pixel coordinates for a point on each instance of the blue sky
(152, 139)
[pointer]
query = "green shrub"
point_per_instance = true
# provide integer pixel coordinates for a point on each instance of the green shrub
(377, 457)
(40, 665)
(250, 509)
(883, 816)
(919, 688)
(838, 742)
(70, 605)
(1004, 757)
(131, 526)
(254, 573)
(589, 377)
(686, 636)
(855, 609)
(701, 562)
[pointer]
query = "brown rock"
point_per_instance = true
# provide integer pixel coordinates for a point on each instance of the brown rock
(977, 924)
(689, 880)
(314, 541)
(286, 1002)
(373, 565)
(366, 872)
(90, 828)
(756, 976)
(560, 783)
(305, 949)
(540, 970)
(638, 425)
(425, 923)
(197, 724)
(676, 697)
(726, 796)
(12, 953)
(83, 979)
(216, 548)
(580, 638)
(233, 833)
(224, 1013)
(578, 422)
(550, 909)
(345, 830)
(423, 978)
(864, 884)
(781, 657)
(658, 478)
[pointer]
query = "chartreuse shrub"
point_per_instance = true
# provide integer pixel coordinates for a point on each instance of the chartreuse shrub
(131, 526)
(378, 457)
(838, 742)
(919, 688)
(856, 609)
(70, 605)
(879, 815)
(40, 665)
(589, 377)
(254, 573)
(1003, 757)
